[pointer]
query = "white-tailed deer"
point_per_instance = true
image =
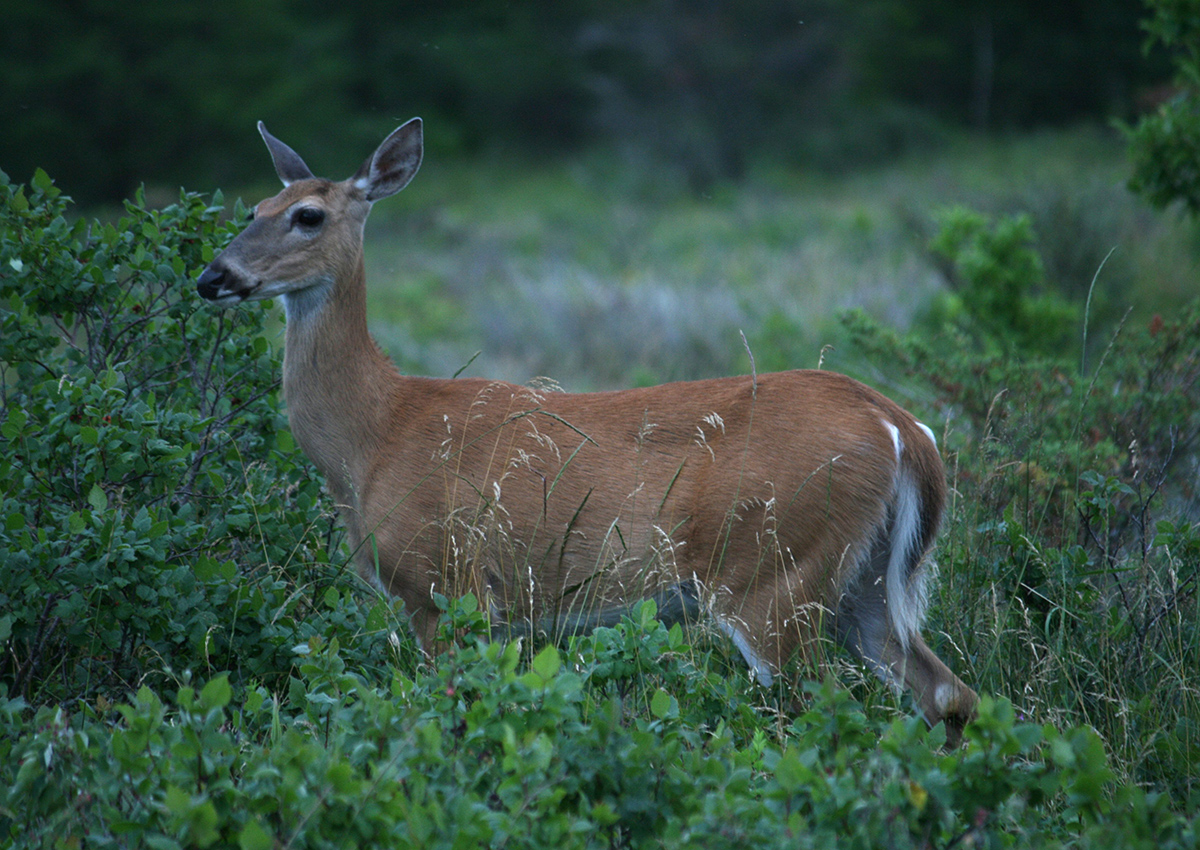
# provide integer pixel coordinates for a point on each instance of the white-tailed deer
(783, 507)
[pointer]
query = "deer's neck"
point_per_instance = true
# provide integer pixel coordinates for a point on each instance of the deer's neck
(337, 384)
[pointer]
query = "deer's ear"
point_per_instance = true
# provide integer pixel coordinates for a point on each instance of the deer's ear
(288, 164)
(394, 162)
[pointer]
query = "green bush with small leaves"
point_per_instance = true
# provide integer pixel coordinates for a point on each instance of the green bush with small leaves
(486, 749)
(155, 515)
(997, 283)
(1164, 144)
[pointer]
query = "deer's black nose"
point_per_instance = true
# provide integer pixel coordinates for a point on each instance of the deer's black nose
(211, 282)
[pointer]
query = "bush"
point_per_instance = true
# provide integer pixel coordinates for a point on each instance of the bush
(1164, 145)
(154, 513)
(483, 750)
(996, 275)
(1069, 571)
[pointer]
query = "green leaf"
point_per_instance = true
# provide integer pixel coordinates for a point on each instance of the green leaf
(661, 704)
(507, 664)
(217, 693)
(377, 617)
(791, 773)
(340, 777)
(88, 435)
(41, 180)
(14, 423)
(546, 663)
(205, 568)
(98, 499)
(254, 837)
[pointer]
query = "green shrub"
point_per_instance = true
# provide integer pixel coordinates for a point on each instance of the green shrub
(1069, 569)
(154, 514)
(1164, 145)
(484, 750)
(995, 275)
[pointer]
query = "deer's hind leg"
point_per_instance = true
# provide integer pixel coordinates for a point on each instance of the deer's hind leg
(881, 626)
(774, 622)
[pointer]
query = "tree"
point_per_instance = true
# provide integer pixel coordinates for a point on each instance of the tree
(1165, 145)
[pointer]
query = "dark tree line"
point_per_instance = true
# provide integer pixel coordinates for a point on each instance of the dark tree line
(106, 95)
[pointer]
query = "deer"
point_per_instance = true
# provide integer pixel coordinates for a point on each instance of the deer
(784, 509)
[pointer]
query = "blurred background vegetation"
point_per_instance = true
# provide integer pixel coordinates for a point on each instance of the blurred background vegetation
(615, 190)
(108, 96)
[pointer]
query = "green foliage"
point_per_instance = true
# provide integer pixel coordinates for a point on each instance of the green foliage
(996, 275)
(1165, 144)
(155, 515)
(484, 749)
(1069, 570)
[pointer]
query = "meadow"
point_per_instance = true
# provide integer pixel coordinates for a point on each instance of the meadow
(605, 270)
(189, 660)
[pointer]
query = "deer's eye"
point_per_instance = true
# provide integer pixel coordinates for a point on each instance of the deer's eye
(309, 216)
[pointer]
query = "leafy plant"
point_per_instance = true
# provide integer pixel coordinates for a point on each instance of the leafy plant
(1056, 578)
(1165, 144)
(156, 516)
(996, 276)
(482, 749)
